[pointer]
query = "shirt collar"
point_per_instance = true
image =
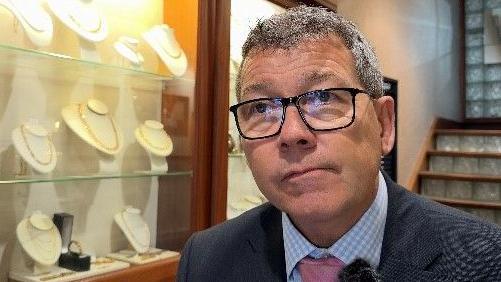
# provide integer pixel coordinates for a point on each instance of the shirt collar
(363, 240)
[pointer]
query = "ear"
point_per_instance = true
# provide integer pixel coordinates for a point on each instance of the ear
(385, 111)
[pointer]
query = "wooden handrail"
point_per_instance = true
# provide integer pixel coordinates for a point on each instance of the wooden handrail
(428, 144)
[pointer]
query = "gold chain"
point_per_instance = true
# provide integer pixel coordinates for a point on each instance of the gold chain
(93, 135)
(51, 153)
(149, 142)
(77, 22)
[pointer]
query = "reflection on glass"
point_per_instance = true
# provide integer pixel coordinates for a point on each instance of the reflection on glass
(474, 109)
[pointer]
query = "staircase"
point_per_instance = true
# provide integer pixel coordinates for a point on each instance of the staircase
(462, 168)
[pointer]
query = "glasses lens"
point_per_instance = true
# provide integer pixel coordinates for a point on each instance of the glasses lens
(260, 118)
(327, 109)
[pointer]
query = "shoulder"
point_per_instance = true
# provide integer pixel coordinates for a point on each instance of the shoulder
(467, 244)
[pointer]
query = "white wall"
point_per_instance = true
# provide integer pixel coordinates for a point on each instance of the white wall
(418, 43)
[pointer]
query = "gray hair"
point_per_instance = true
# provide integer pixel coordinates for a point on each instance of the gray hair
(303, 23)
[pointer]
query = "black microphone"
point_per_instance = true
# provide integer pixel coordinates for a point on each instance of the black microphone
(359, 271)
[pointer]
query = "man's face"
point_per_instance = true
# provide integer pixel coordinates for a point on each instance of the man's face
(308, 174)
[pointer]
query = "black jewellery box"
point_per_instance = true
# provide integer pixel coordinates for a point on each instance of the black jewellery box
(69, 259)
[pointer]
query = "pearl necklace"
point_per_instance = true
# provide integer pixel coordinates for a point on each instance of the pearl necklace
(94, 137)
(30, 150)
(44, 242)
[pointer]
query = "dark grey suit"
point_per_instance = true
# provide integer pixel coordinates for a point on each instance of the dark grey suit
(423, 241)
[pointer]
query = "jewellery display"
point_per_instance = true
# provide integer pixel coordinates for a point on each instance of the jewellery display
(34, 145)
(161, 38)
(92, 122)
(127, 47)
(35, 20)
(39, 238)
(134, 228)
(81, 17)
(153, 138)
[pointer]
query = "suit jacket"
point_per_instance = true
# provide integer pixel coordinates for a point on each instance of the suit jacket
(423, 241)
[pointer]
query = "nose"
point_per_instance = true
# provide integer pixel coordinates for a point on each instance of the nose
(294, 133)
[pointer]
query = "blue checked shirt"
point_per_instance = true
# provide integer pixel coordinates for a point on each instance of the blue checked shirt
(363, 240)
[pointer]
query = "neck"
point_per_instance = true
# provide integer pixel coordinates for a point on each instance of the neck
(325, 232)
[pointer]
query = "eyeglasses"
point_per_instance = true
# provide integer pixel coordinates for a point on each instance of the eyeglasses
(320, 110)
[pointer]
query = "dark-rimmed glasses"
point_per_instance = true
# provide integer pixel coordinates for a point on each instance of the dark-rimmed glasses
(321, 110)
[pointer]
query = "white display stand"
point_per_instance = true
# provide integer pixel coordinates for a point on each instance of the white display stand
(93, 123)
(162, 39)
(36, 22)
(40, 240)
(58, 274)
(134, 228)
(81, 17)
(152, 255)
(242, 205)
(153, 138)
(84, 19)
(33, 144)
(127, 48)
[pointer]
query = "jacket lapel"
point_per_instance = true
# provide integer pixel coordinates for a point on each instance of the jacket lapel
(267, 246)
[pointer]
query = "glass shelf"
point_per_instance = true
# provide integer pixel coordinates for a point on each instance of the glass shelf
(41, 178)
(19, 61)
(236, 155)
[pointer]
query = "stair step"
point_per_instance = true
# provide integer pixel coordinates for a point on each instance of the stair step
(467, 203)
(468, 132)
(464, 154)
(460, 176)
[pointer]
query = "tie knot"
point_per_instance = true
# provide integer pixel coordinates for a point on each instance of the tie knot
(322, 269)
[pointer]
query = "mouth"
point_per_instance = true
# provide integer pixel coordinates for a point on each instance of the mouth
(293, 174)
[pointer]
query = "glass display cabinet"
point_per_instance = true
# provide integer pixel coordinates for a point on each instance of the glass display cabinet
(104, 122)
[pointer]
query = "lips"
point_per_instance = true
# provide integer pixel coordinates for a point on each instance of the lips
(302, 172)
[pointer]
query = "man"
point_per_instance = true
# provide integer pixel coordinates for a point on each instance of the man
(315, 125)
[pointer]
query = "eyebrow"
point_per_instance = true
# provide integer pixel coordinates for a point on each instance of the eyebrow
(256, 87)
(317, 77)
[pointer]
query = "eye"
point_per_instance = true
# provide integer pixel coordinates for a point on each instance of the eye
(260, 107)
(323, 96)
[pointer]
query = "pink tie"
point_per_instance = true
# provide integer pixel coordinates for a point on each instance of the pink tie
(320, 270)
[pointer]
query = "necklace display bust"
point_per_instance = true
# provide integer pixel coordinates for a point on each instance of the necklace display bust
(153, 138)
(35, 20)
(81, 17)
(162, 39)
(39, 238)
(127, 48)
(92, 122)
(134, 228)
(34, 145)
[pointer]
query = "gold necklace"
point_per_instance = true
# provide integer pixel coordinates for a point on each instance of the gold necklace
(141, 133)
(51, 153)
(79, 23)
(93, 135)
(132, 232)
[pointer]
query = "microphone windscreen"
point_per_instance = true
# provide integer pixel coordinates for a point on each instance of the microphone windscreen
(357, 271)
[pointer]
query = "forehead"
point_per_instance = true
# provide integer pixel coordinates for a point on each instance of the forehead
(315, 63)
